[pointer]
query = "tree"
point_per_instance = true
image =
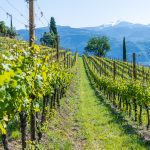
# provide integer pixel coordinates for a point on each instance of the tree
(53, 28)
(124, 50)
(53, 40)
(50, 38)
(53, 33)
(11, 32)
(45, 40)
(98, 46)
(6, 31)
(3, 28)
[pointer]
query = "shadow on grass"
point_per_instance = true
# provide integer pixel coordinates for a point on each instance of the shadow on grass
(117, 117)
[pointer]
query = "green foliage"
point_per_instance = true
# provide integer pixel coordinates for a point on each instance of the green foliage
(24, 72)
(3, 29)
(50, 38)
(16, 135)
(53, 28)
(53, 41)
(87, 123)
(103, 123)
(98, 46)
(45, 40)
(11, 32)
(6, 31)
(130, 92)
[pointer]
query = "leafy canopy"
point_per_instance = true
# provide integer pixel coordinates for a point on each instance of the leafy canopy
(6, 31)
(98, 46)
(53, 28)
(49, 39)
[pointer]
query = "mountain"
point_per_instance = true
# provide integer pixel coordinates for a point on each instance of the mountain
(137, 37)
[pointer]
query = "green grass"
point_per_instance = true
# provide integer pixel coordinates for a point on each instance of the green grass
(101, 127)
(59, 133)
(86, 122)
(16, 135)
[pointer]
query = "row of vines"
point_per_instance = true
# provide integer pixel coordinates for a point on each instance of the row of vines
(32, 82)
(127, 88)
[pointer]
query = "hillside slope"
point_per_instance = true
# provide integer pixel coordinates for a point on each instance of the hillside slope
(137, 37)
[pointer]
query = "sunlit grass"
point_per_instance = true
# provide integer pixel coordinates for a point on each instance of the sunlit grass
(96, 125)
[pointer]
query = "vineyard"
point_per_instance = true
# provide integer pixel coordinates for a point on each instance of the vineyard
(36, 83)
(127, 87)
(32, 82)
(71, 80)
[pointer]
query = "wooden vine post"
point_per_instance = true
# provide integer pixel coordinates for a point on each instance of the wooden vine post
(114, 77)
(67, 61)
(134, 77)
(64, 59)
(57, 39)
(31, 42)
(31, 23)
(143, 71)
(134, 66)
(5, 142)
(114, 71)
(100, 66)
(123, 72)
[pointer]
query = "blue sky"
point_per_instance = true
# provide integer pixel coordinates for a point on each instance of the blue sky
(79, 13)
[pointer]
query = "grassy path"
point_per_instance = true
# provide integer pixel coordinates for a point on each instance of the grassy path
(85, 122)
(100, 128)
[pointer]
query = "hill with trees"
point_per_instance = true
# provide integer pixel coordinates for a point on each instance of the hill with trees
(137, 38)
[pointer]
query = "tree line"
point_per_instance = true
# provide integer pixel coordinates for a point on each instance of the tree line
(6, 31)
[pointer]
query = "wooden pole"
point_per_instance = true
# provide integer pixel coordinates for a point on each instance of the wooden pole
(57, 38)
(67, 61)
(114, 64)
(31, 42)
(135, 77)
(64, 59)
(11, 24)
(31, 22)
(134, 66)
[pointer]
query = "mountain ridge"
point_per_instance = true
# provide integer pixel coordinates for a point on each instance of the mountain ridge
(137, 37)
